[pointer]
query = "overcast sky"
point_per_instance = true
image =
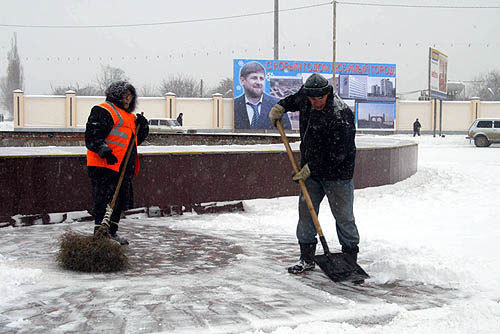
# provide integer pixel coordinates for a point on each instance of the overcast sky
(148, 54)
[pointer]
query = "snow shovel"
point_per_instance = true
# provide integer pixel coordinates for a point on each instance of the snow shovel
(104, 229)
(336, 266)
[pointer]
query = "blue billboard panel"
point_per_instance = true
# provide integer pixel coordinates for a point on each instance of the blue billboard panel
(259, 84)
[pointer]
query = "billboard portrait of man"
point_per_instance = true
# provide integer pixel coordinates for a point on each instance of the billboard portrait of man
(251, 109)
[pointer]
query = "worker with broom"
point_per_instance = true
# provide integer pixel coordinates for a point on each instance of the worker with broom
(110, 132)
(328, 152)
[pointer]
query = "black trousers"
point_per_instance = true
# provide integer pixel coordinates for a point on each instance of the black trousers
(104, 181)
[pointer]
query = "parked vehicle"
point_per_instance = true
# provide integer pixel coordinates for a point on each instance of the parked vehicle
(168, 125)
(485, 131)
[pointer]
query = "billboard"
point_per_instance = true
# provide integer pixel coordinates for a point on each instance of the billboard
(438, 74)
(366, 87)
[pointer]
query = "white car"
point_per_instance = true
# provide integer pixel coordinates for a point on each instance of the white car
(485, 131)
(167, 125)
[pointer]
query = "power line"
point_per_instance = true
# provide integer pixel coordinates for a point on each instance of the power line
(415, 6)
(162, 23)
(242, 15)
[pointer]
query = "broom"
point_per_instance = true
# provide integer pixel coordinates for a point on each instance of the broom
(97, 253)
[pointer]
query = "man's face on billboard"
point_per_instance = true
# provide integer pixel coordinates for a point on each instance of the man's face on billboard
(253, 84)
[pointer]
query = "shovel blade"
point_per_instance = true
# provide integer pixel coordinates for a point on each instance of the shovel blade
(339, 268)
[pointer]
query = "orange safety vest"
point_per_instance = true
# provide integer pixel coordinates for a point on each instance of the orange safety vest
(118, 138)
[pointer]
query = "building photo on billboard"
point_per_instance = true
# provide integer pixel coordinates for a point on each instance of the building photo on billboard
(376, 115)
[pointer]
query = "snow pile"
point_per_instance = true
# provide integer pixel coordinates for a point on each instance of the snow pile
(14, 279)
(7, 126)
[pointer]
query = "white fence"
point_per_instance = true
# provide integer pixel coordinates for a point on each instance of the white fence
(71, 111)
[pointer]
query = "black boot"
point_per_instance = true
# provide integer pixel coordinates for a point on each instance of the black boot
(306, 261)
(351, 254)
(113, 228)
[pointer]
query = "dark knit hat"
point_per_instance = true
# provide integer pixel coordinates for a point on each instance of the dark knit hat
(316, 85)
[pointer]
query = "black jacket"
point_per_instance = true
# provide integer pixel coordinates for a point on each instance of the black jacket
(99, 125)
(327, 136)
(416, 125)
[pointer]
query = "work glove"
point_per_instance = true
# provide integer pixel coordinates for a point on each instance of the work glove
(107, 153)
(276, 113)
(141, 120)
(303, 174)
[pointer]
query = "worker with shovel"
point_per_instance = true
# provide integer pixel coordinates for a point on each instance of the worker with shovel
(328, 152)
(111, 141)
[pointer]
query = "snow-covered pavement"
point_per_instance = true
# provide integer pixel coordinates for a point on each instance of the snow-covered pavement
(430, 244)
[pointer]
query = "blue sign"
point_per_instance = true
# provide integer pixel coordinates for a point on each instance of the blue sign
(369, 87)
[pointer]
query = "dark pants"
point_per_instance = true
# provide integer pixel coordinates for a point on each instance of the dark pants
(416, 132)
(340, 196)
(104, 183)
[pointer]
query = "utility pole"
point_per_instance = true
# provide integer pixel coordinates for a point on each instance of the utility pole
(334, 40)
(276, 30)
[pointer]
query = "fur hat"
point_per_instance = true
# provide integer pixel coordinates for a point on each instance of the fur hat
(116, 91)
(316, 85)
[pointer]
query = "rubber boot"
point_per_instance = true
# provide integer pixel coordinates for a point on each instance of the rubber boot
(351, 254)
(306, 261)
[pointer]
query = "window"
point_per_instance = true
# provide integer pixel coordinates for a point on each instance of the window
(173, 122)
(484, 124)
(153, 122)
(496, 124)
(163, 122)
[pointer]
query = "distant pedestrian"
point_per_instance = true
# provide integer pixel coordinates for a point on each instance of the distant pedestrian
(179, 119)
(416, 127)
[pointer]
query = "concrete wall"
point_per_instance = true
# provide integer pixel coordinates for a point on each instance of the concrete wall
(38, 184)
(44, 111)
(456, 116)
(408, 111)
(490, 109)
(33, 111)
(83, 106)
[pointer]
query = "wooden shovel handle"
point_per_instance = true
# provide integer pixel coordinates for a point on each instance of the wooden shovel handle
(302, 185)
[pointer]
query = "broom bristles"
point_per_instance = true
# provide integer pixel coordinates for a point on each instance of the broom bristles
(87, 253)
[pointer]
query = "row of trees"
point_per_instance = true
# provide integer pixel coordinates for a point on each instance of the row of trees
(486, 87)
(182, 85)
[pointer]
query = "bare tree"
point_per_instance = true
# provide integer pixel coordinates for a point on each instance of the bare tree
(108, 75)
(181, 85)
(87, 90)
(225, 87)
(13, 80)
(149, 90)
(486, 86)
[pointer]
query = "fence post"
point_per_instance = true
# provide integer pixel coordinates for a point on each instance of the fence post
(217, 111)
(475, 108)
(18, 110)
(70, 109)
(396, 122)
(170, 110)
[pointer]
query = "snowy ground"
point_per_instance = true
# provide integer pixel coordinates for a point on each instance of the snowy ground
(430, 244)
(7, 126)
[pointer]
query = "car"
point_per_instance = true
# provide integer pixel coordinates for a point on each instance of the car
(165, 125)
(484, 131)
